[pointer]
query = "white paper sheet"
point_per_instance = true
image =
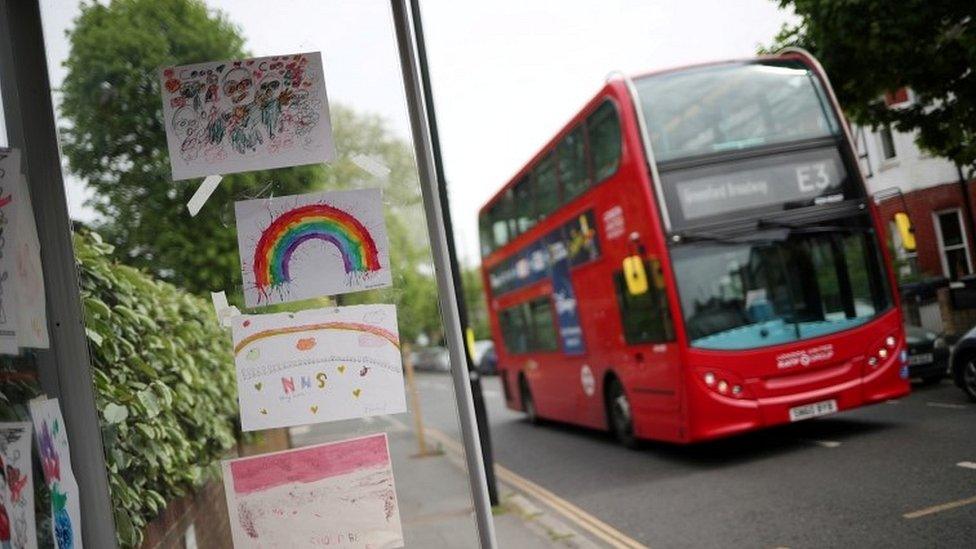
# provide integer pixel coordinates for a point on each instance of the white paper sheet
(341, 494)
(317, 365)
(233, 116)
(312, 245)
(52, 444)
(17, 483)
(31, 304)
(9, 204)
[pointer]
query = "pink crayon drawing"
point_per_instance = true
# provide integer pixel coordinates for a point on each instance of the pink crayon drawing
(341, 493)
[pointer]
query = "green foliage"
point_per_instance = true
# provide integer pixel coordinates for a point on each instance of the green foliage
(164, 380)
(474, 299)
(869, 47)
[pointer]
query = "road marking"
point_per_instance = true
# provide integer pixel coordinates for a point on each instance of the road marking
(822, 443)
(947, 405)
(892, 401)
(574, 514)
(967, 464)
(939, 508)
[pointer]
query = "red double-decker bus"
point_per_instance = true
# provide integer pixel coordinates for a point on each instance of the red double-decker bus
(694, 255)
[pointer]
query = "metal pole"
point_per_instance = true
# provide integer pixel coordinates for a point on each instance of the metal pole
(480, 413)
(65, 369)
(442, 270)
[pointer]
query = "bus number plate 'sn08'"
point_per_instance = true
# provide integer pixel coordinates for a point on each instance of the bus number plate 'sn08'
(808, 411)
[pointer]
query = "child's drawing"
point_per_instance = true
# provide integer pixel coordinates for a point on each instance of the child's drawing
(17, 526)
(317, 365)
(339, 494)
(312, 245)
(251, 114)
(52, 443)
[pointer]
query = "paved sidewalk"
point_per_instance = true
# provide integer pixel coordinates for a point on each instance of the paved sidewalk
(433, 495)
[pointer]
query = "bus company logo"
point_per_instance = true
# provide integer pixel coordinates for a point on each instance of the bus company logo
(805, 357)
(587, 380)
(613, 223)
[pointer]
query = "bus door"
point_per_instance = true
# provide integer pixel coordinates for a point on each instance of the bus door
(650, 358)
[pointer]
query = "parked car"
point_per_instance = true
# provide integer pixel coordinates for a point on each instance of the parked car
(433, 359)
(485, 358)
(963, 364)
(928, 354)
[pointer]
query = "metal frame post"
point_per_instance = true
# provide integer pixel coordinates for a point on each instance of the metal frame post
(442, 269)
(64, 370)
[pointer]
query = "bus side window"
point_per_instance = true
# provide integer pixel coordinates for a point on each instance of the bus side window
(645, 317)
(604, 129)
(499, 226)
(524, 215)
(572, 165)
(546, 186)
(484, 232)
(515, 331)
(543, 325)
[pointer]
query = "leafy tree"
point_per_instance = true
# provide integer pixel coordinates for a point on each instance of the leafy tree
(870, 47)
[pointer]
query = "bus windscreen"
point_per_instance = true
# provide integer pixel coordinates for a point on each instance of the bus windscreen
(748, 295)
(734, 106)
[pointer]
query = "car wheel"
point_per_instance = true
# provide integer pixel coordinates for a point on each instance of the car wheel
(969, 378)
(528, 405)
(620, 416)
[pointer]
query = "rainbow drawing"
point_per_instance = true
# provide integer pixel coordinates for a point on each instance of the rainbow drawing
(337, 325)
(288, 231)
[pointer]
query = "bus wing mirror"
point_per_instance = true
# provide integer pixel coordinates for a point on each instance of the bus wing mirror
(905, 231)
(635, 275)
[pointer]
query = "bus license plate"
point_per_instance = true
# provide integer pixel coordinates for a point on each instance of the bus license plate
(924, 358)
(813, 410)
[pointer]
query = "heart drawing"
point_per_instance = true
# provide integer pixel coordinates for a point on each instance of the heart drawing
(258, 385)
(356, 392)
(314, 408)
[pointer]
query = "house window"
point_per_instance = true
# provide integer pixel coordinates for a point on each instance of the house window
(953, 247)
(887, 143)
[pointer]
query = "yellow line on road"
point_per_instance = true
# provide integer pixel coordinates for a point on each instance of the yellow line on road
(581, 518)
(939, 508)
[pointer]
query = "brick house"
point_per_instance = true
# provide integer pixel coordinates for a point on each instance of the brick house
(933, 194)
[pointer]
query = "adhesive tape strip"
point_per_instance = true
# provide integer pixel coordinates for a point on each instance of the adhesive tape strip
(203, 193)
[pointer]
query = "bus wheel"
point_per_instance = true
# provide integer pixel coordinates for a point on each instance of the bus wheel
(621, 419)
(528, 405)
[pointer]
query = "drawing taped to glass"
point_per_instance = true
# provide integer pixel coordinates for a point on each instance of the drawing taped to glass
(52, 444)
(9, 173)
(16, 487)
(251, 114)
(336, 494)
(312, 245)
(317, 365)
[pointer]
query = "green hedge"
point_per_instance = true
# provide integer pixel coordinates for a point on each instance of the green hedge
(164, 379)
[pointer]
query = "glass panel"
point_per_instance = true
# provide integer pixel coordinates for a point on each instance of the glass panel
(958, 266)
(546, 187)
(525, 217)
(604, 129)
(733, 106)
(573, 173)
(160, 352)
(887, 143)
(543, 326)
(515, 329)
(484, 234)
(950, 228)
(743, 296)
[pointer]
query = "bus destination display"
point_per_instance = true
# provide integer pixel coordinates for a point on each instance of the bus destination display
(793, 180)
